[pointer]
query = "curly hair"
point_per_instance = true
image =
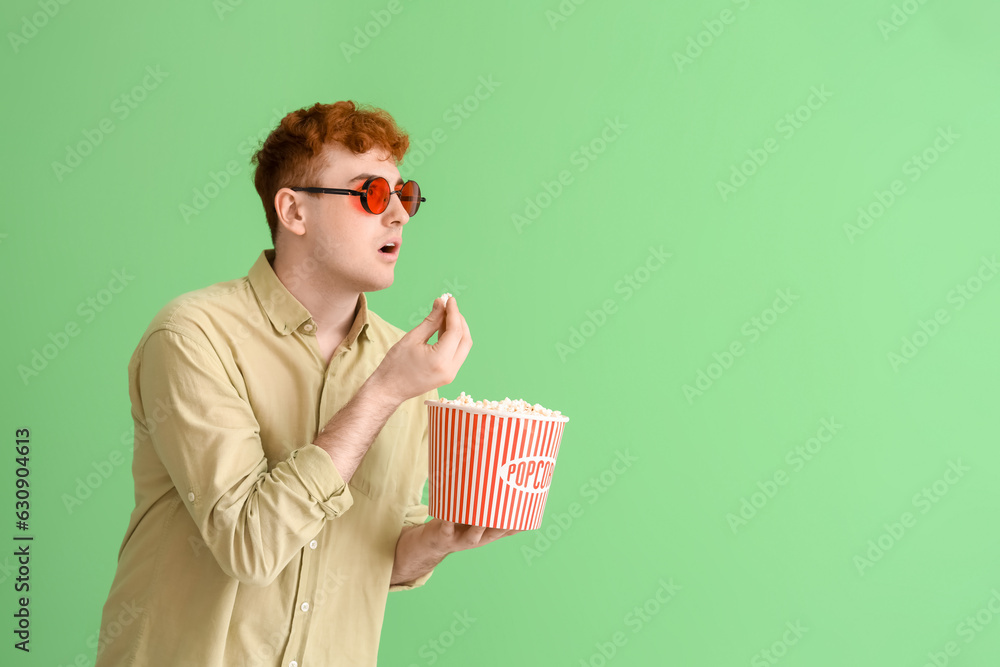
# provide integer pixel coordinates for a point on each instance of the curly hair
(290, 154)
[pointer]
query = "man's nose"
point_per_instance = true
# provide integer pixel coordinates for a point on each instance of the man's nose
(396, 210)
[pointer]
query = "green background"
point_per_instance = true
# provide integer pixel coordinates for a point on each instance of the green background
(612, 532)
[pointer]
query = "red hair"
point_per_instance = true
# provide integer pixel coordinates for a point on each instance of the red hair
(290, 154)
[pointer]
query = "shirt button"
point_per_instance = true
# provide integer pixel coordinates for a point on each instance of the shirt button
(312, 545)
(305, 606)
(191, 497)
(293, 664)
(308, 328)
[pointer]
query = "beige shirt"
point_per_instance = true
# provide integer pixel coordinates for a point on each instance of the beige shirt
(245, 546)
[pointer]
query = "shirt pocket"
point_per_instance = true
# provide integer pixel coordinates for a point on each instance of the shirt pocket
(362, 485)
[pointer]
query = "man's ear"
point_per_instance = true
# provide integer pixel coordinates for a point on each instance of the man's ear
(291, 215)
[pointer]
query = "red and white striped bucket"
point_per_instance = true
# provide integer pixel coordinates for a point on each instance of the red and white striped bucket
(490, 468)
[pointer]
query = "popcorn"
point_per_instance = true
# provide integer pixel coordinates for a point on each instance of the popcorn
(444, 298)
(506, 405)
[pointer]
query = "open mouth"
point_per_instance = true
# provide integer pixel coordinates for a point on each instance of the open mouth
(390, 248)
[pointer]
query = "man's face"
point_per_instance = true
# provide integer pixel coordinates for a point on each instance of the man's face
(354, 249)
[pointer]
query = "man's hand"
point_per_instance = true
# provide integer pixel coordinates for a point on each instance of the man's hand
(447, 537)
(412, 367)
(420, 548)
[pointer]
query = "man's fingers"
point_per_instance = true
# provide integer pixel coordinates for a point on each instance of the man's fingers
(448, 529)
(474, 534)
(452, 331)
(431, 323)
(463, 536)
(465, 344)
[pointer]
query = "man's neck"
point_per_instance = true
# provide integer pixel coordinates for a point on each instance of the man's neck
(332, 307)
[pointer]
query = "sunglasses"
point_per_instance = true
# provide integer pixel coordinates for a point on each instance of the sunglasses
(375, 195)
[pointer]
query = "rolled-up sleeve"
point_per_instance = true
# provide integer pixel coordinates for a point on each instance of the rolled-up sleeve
(415, 516)
(416, 511)
(253, 520)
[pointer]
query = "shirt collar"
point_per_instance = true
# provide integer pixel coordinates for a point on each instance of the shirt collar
(286, 313)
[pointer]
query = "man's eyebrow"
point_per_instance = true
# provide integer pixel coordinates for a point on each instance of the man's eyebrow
(365, 177)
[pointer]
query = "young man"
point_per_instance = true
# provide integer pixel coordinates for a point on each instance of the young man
(280, 433)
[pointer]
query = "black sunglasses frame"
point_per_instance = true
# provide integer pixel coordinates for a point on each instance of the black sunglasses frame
(363, 193)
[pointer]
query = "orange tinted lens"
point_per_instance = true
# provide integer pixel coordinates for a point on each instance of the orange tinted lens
(410, 196)
(377, 195)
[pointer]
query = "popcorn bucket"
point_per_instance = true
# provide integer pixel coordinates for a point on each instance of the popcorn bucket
(491, 468)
